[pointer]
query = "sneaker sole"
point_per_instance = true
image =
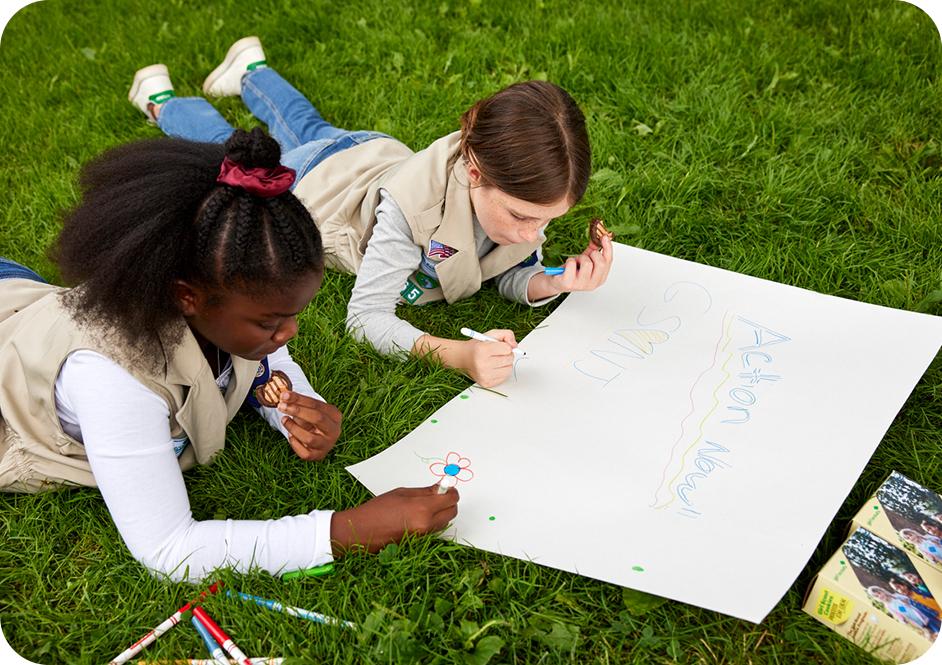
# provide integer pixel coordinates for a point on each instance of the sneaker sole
(231, 55)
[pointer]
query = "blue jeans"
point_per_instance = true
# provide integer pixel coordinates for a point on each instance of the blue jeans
(13, 270)
(306, 139)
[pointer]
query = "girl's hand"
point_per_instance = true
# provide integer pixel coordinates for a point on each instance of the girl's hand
(489, 363)
(313, 425)
(388, 517)
(588, 271)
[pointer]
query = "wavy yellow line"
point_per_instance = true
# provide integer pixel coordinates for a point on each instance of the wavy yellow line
(716, 403)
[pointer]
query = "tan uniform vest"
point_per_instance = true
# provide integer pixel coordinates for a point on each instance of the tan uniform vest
(431, 189)
(37, 334)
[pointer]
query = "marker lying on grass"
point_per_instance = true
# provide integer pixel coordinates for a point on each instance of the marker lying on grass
(263, 660)
(220, 636)
(215, 651)
(473, 334)
(174, 619)
(300, 612)
(316, 571)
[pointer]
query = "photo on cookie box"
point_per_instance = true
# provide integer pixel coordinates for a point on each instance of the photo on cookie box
(916, 514)
(892, 583)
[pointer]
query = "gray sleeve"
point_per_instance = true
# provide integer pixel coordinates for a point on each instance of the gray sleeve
(390, 257)
(512, 284)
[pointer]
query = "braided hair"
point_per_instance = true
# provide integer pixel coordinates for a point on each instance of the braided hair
(152, 213)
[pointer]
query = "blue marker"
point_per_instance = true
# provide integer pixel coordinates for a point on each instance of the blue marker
(554, 271)
(211, 645)
(300, 612)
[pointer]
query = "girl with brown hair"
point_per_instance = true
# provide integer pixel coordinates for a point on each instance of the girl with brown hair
(417, 227)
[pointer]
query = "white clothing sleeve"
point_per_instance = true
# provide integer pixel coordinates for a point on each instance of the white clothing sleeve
(282, 360)
(390, 257)
(126, 432)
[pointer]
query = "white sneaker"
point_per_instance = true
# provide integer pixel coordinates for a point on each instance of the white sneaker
(243, 56)
(151, 86)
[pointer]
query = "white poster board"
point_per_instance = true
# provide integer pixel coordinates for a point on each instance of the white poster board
(683, 430)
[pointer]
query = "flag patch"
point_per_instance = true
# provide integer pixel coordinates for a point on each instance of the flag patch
(438, 251)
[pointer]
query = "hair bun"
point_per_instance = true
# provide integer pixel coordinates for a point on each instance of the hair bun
(253, 149)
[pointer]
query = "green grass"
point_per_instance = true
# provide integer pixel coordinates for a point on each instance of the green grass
(793, 142)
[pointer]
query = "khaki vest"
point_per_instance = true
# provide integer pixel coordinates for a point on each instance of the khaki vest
(37, 334)
(431, 189)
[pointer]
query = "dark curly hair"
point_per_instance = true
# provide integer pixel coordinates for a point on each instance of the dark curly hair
(152, 212)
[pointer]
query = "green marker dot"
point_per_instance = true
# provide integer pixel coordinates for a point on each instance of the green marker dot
(464, 397)
(434, 420)
(877, 507)
(492, 518)
(638, 568)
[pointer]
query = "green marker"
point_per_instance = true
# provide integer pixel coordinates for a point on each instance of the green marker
(309, 572)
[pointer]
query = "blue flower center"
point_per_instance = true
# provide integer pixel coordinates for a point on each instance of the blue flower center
(452, 469)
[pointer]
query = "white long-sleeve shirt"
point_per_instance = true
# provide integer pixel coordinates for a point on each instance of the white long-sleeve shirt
(391, 256)
(134, 461)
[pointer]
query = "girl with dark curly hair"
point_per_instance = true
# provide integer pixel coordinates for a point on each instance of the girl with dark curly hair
(192, 262)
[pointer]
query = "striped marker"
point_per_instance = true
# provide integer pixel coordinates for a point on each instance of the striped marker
(148, 639)
(220, 636)
(267, 660)
(299, 612)
(215, 651)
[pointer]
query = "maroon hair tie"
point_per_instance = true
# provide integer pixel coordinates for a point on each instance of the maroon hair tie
(259, 181)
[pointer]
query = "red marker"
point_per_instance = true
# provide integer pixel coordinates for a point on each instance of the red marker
(220, 636)
(138, 646)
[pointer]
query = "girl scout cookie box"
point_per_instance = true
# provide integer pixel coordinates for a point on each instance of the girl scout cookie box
(873, 594)
(908, 515)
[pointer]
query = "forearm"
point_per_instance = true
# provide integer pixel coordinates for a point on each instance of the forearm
(276, 546)
(385, 331)
(449, 352)
(131, 454)
(390, 258)
(541, 287)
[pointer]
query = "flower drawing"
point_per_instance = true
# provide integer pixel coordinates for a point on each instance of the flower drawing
(452, 469)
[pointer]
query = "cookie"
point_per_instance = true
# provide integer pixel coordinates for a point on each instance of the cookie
(597, 231)
(269, 393)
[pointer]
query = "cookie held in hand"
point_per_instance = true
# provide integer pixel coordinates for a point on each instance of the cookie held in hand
(597, 231)
(269, 393)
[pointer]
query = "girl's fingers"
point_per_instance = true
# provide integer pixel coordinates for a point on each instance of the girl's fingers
(294, 403)
(299, 448)
(308, 438)
(505, 336)
(315, 427)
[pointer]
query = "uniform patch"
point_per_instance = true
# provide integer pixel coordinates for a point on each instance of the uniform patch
(428, 266)
(529, 261)
(179, 444)
(411, 292)
(425, 281)
(417, 284)
(262, 374)
(439, 252)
